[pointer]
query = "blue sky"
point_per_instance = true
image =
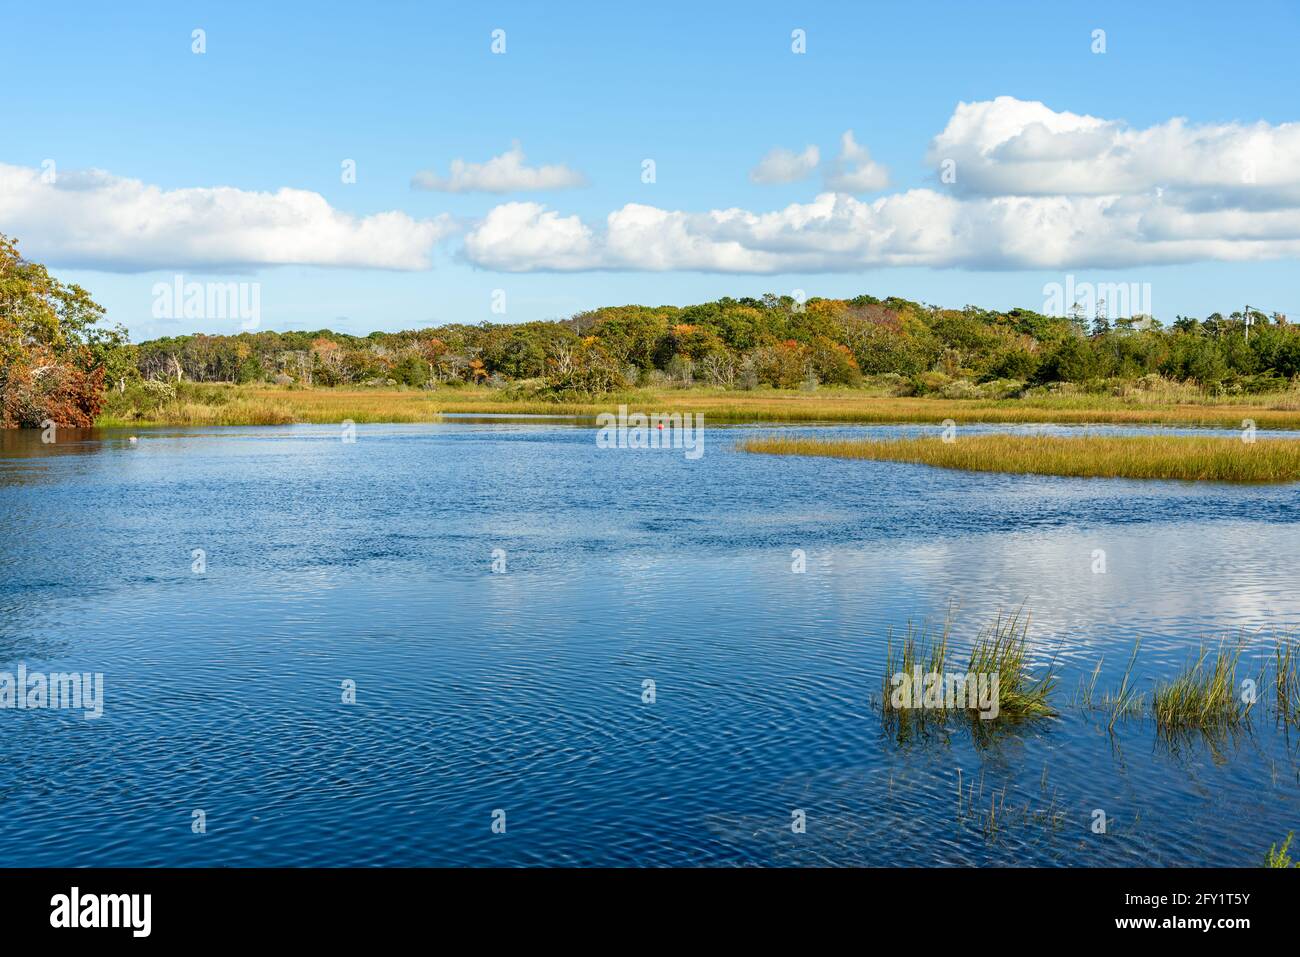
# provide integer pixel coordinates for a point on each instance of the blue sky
(284, 93)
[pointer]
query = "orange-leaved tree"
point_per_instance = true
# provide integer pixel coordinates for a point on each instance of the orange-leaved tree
(51, 357)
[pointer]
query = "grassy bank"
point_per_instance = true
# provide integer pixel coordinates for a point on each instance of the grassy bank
(218, 404)
(848, 406)
(1192, 458)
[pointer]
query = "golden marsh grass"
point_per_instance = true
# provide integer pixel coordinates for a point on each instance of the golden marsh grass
(1000, 650)
(272, 405)
(858, 406)
(1184, 457)
(220, 404)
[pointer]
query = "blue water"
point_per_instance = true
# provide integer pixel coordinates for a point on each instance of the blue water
(521, 691)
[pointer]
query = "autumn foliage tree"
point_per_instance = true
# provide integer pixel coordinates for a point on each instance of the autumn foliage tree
(52, 359)
(55, 358)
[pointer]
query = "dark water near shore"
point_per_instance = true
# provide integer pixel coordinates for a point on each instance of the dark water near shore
(372, 561)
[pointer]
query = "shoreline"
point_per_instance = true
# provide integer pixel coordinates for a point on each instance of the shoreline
(209, 404)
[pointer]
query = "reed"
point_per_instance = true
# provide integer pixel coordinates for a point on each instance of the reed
(1126, 702)
(1002, 650)
(1286, 682)
(1182, 457)
(999, 653)
(1001, 815)
(1204, 696)
(917, 648)
(1085, 696)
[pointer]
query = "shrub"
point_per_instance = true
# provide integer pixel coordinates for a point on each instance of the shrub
(1278, 857)
(961, 389)
(928, 383)
(891, 383)
(1001, 389)
(40, 388)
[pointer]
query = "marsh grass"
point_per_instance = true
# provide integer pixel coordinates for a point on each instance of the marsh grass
(1204, 701)
(1186, 457)
(917, 647)
(864, 406)
(1126, 702)
(1286, 682)
(1204, 697)
(1052, 819)
(1000, 649)
(224, 405)
(261, 404)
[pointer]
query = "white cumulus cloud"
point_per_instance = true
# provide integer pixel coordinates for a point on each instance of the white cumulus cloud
(93, 219)
(1034, 189)
(1016, 147)
(785, 166)
(921, 227)
(507, 173)
(517, 237)
(854, 170)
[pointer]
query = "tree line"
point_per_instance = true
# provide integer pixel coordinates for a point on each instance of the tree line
(746, 343)
(57, 360)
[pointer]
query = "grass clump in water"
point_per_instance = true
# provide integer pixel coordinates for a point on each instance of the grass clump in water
(917, 651)
(1204, 697)
(920, 694)
(1185, 457)
(1002, 650)
(1287, 682)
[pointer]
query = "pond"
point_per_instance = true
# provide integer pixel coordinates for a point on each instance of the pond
(494, 643)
